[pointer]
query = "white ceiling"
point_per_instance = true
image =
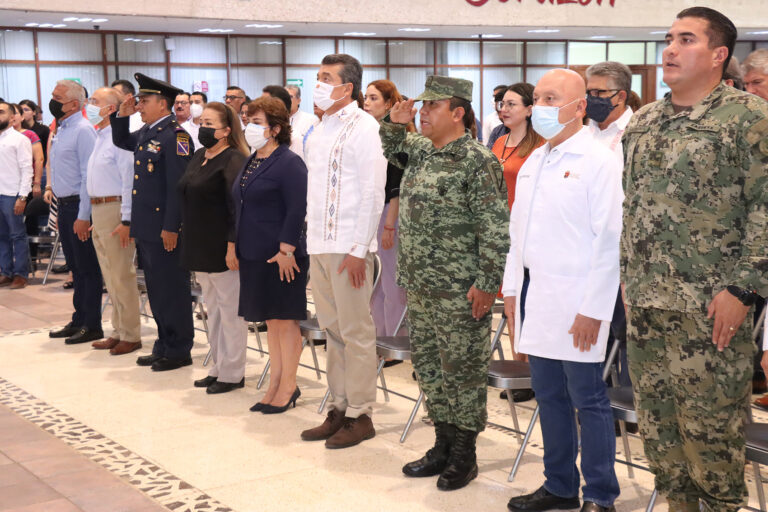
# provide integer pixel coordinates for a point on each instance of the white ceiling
(156, 24)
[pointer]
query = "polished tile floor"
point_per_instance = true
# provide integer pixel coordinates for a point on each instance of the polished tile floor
(156, 433)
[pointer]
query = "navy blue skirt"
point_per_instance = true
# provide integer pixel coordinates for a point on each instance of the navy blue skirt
(264, 297)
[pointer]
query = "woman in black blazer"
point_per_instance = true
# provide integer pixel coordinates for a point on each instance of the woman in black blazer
(271, 203)
(207, 241)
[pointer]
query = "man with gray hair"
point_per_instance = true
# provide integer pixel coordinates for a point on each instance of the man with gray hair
(71, 148)
(755, 68)
(109, 183)
(608, 86)
(301, 121)
(733, 76)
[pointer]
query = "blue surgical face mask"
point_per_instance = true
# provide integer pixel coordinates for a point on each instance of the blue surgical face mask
(92, 113)
(546, 120)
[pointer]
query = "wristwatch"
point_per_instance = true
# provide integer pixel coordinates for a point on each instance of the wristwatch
(746, 297)
(125, 222)
(289, 254)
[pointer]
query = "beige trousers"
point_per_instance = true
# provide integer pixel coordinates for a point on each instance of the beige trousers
(118, 271)
(345, 314)
(227, 332)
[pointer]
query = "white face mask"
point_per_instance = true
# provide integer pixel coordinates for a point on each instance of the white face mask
(546, 120)
(92, 113)
(321, 95)
(195, 110)
(254, 136)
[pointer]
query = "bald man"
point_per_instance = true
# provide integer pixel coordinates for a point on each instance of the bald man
(559, 289)
(110, 180)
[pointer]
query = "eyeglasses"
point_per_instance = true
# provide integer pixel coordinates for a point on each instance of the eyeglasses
(232, 98)
(509, 105)
(182, 103)
(598, 93)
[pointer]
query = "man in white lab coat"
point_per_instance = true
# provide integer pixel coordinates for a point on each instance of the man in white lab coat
(559, 289)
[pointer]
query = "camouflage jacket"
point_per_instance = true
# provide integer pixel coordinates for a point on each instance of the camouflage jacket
(696, 206)
(454, 219)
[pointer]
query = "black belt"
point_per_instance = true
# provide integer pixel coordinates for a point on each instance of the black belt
(68, 199)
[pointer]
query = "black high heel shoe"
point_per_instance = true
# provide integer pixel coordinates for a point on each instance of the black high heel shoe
(273, 409)
(257, 407)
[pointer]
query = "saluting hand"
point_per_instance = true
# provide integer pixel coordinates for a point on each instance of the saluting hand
(585, 331)
(128, 106)
(169, 239)
(403, 112)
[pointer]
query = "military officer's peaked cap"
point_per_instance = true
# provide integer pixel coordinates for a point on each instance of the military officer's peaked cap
(149, 85)
(445, 87)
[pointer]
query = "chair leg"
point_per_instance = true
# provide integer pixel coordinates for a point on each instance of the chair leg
(314, 357)
(496, 342)
(205, 319)
(652, 501)
(106, 302)
(54, 252)
(513, 410)
(325, 400)
(207, 357)
(520, 452)
(759, 485)
(258, 339)
(408, 425)
(380, 373)
(627, 453)
(264, 374)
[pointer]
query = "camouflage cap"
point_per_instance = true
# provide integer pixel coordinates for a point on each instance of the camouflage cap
(444, 87)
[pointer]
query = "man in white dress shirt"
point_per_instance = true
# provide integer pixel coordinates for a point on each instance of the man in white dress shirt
(125, 87)
(15, 184)
(559, 289)
(347, 171)
(492, 120)
(197, 101)
(109, 181)
(608, 87)
(301, 121)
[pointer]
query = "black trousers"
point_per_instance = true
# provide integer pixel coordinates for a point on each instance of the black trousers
(82, 261)
(170, 297)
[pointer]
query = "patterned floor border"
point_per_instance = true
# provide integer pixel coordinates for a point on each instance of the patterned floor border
(169, 490)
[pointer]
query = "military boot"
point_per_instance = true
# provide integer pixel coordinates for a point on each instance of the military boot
(436, 459)
(462, 463)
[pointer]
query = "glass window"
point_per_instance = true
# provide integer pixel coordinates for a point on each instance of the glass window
(18, 82)
(473, 75)
(659, 50)
(192, 49)
(17, 45)
(411, 52)
(135, 48)
(661, 87)
(742, 50)
(458, 52)
(627, 53)
(532, 75)
(409, 81)
(308, 51)
(251, 50)
(308, 77)
(253, 79)
(69, 46)
(90, 76)
(501, 52)
(126, 73)
(367, 51)
(650, 53)
(581, 53)
(761, 44)
(184, 78)
(545, 53)
(372, 74)
(498, 76)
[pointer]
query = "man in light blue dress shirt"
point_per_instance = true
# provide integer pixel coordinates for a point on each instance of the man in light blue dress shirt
(71, 148)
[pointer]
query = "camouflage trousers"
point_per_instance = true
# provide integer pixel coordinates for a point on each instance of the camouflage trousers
(451, 352)
(691, 403)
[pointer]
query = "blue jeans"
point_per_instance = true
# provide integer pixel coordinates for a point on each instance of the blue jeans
(14, 248)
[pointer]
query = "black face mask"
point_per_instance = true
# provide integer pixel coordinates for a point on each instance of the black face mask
(598, 109)
(56, 108)
(206, 136)
(4, 125)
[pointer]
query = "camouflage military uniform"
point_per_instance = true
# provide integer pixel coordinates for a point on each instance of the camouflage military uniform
(453, 235)
(695, 221)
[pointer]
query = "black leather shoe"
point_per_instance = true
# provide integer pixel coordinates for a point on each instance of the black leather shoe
(164, 364)
(222, 387)
(594, 507)
(60, 269)
(436, 459)
(65, 332)
(519, 395)
(204, 383)
(148, 360)
(541, 500)
(462, 463)
(84, 335)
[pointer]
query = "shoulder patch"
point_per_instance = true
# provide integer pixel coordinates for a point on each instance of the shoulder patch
(182, 144)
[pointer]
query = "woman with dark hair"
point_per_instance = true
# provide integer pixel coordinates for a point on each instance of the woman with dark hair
(29, 112)
(388, 299)
(207, 241)
(270, 196)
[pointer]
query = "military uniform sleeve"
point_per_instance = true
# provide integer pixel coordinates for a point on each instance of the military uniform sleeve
(176, 160)
(121, 133)
(395, 141)
(751, 271)
(488, 203)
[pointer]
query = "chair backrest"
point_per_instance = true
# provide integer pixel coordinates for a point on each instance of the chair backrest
(376, 270)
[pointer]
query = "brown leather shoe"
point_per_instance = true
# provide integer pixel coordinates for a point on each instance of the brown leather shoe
(125, 347)
(5, 280)
(762, 402)
(333, 422)
(105, 344)
(18, 283)
(354, 431)
(758, 385)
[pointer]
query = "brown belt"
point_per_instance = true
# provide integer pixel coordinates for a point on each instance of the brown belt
(109, 199)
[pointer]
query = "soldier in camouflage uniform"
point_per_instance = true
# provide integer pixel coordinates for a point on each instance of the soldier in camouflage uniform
(693, 250)
(453, 238)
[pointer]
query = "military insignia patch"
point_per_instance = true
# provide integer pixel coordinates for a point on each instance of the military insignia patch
(182, 144)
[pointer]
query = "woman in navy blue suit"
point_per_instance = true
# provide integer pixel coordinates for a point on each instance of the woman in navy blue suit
(270, 196)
